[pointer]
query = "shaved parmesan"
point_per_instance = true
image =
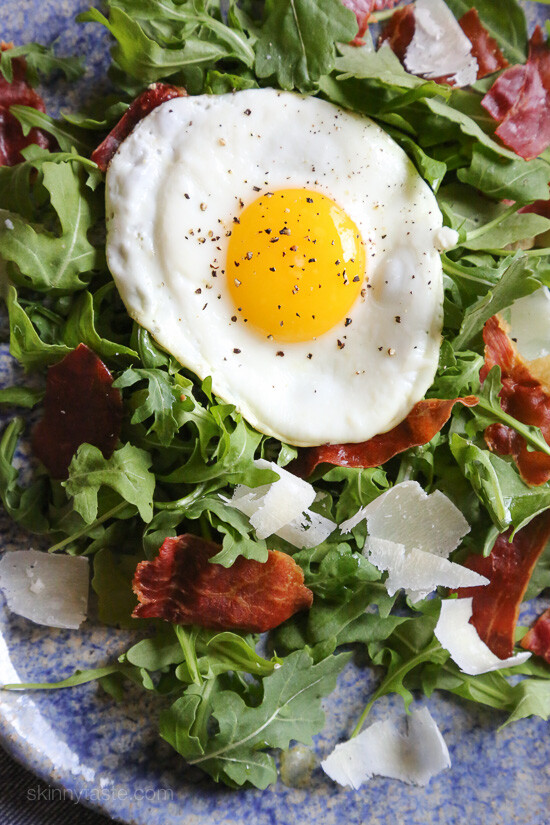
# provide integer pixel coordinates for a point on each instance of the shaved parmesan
(439, 47)
(411, 535)
(282, 508)
(416, 571)
(407, 515)
(461, 639)
(382, 750)
(529, 322)
(59, 582)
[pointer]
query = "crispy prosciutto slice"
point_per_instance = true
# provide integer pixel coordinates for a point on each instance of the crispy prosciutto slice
(148, 100)
(363, 10)
(520, 101)
(12, 139)
(400, 30)
(80, 406)
(523, 396)
(537, 640)
(183, 587)
(424, 420)
(495, 607)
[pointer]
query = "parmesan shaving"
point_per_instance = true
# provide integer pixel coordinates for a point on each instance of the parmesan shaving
(416, 571)
(411, 535)
(382, 750)
(455, 633)
(282, 508)
(439, 47)
(529, 324)
(407, 515)
(47, 589)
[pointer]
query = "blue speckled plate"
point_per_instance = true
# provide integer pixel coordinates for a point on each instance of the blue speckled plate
(109, 756)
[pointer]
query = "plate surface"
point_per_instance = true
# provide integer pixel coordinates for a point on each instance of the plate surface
(109, 756)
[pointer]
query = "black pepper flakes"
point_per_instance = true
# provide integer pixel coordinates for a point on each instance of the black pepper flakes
(347, 322)
(280, 353)
(397, 319)
(236, 350)
(341, 344)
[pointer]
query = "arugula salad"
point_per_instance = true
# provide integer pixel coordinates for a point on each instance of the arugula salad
(229, 697)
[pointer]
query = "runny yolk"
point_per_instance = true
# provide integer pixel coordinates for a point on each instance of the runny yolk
(295, 264)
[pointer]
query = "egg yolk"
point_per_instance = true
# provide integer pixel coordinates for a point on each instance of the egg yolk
(295, 264)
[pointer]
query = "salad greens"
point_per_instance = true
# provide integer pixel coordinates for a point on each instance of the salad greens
(182, 449)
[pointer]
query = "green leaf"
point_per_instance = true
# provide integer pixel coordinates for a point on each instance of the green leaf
(40, 60)
(501, 177)
(143, 58)
(505, 21)
(532, 698)
(161, 396)
(296, 42)
(290, 709)
(126, 472)
(25, 343)
(518, 280)
(43, 260)
(499, 486)
(25, 506)
(21, 396)
(68, 137)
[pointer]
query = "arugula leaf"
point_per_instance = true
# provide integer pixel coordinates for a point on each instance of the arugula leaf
(25, 506)
(40, 60)
(501, 177)
(80, 327)
(21, 396)
(126, 472)
(505, 21)
(517, 280)
(296, 42)
(498, 485)
(43, 260)
(161, 396)
(68, 137)
(143, 58)
(290, 709)
(531, 698)
(25, 343)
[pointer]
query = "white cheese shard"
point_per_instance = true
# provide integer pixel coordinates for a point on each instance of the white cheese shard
(407, 515)
(47, 589)
(455, 633)
(411, 535)
(282, 508)
(416, 571)
(439, 47)
(530, 323)
(382, 750)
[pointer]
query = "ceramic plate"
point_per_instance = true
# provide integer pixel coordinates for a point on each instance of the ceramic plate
(109, 756)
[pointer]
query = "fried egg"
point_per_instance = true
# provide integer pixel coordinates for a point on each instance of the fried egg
(286, 248)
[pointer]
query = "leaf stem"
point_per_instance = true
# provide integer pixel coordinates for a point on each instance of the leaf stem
(454, 269)
(531, 253)
(539, 444)
(181, 503)
(481, 230)
(88, 527)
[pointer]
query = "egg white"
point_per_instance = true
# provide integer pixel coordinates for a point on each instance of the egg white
(173, 190)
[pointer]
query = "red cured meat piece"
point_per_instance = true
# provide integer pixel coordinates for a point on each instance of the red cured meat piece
(495, 606)
(80, 406)
(523, 397)
(424, 420)
(182, 586)
(520, 100)
(363, 10)
(148, 100)
(484, 48)
(537, 640)
(18, 91)
(400, 31)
